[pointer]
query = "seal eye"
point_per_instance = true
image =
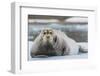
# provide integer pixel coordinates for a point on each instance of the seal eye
(50, 32)
(44, 33)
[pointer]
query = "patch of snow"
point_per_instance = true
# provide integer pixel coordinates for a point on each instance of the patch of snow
(77, 20)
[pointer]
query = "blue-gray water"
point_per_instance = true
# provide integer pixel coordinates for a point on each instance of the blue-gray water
(78, 32)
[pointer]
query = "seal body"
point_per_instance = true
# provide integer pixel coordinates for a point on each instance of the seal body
(51, 42)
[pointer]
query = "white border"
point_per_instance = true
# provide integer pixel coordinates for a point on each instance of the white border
(19, 39)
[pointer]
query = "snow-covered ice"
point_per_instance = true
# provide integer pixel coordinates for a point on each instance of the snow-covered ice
(79, 56)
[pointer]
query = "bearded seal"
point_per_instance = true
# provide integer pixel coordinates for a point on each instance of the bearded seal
(52, 42)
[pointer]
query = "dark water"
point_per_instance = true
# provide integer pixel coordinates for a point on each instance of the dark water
(78, 32)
